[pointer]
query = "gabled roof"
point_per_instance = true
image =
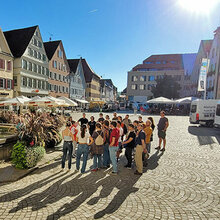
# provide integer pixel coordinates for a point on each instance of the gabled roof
(19, 39)
(73, 63)
(4, 48)
(50, 48)
(88, 72)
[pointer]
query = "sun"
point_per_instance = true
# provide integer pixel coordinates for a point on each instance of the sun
(199, 6)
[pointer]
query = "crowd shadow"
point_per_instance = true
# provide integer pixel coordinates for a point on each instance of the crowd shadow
(153, 161)
(78, 188)
(205, 135)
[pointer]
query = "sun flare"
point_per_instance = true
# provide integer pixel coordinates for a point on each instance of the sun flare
(199, 6)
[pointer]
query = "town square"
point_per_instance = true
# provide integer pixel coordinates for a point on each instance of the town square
(110, 109)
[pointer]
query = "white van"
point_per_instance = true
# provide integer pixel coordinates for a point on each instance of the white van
(203, 112)
(217, 115)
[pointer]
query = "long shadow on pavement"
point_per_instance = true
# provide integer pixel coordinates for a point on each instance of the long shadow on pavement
(81, 187)
(205, 135)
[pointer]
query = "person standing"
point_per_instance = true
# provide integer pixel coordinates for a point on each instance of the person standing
(106, 156)
(91, 124)
(140, 120)
(126, 120)
(83, 138)
(74, 131)
(148, 133)
(83, 120)
(107, 117)
(101, 118)
(121, 132)
(162, 128)
(115, 117)
(140, 148)
(67, 145)
(113, 146)
(152, 126)
(129, 145)
(97, 146)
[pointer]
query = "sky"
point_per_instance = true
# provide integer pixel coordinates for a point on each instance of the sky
(114, 35)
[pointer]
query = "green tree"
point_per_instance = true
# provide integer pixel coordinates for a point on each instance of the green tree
(166, 87)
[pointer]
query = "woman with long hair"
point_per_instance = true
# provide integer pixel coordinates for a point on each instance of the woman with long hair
(152, 126)
(85, 140)
(67, 145)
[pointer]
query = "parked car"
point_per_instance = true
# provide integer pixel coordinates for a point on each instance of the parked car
(217, 115)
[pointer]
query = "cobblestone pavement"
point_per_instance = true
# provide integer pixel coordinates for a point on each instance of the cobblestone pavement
(181, 183)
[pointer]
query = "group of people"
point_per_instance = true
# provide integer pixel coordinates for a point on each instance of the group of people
(105, 139)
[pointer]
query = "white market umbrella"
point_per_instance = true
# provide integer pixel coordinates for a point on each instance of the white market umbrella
(186, 100)
(161, 100)
(68, 101)
(18, 101)
(47, 101)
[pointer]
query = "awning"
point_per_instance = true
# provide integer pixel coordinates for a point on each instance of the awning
(68, 101)
(82, 101)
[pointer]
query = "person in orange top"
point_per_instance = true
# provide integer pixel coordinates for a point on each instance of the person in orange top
(74, 131)
(148, 132)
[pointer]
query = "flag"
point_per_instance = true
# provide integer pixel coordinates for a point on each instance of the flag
(203, 74)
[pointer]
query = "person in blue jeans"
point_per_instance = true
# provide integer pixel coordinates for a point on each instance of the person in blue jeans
(85, 140)
(106, 155)
(113, 147)
(67, 145)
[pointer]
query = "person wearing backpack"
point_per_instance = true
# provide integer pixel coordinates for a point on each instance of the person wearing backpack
(106, 155)
(97, 147)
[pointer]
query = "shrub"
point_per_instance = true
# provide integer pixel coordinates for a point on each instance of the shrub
(19, 154)
(34, 155)
(24, 157)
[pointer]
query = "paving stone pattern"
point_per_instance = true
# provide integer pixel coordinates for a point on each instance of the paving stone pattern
(181, 183)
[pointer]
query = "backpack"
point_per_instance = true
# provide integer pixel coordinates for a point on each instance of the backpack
(99, 140)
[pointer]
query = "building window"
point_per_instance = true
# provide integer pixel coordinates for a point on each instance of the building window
(39, 84)
(2, 64)
(67, 90)
(134, 87)
(55, 64)
(164, 62)
(43, 84)
(151, 78)
(15, 80)
(142, 87)
(24, 81)
(39, 55)
(39, 44)
(59, 77)
(9, 65)
(9, 84)
(143, 78)
(158, 62)
(134, 78)
(60, 54)
(35, 67)
(35, 53)
(55, 76)
(2, 83)
(44, 57)
(172, 61)
(34, 83)
(35, 42)
(47, 72)
(29, 82)
(39, 69)
(148, 62)
(43, 70)
(24, 64)
(30, 66)
(36, 33)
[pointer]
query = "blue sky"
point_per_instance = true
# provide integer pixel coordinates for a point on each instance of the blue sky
(113, 35)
